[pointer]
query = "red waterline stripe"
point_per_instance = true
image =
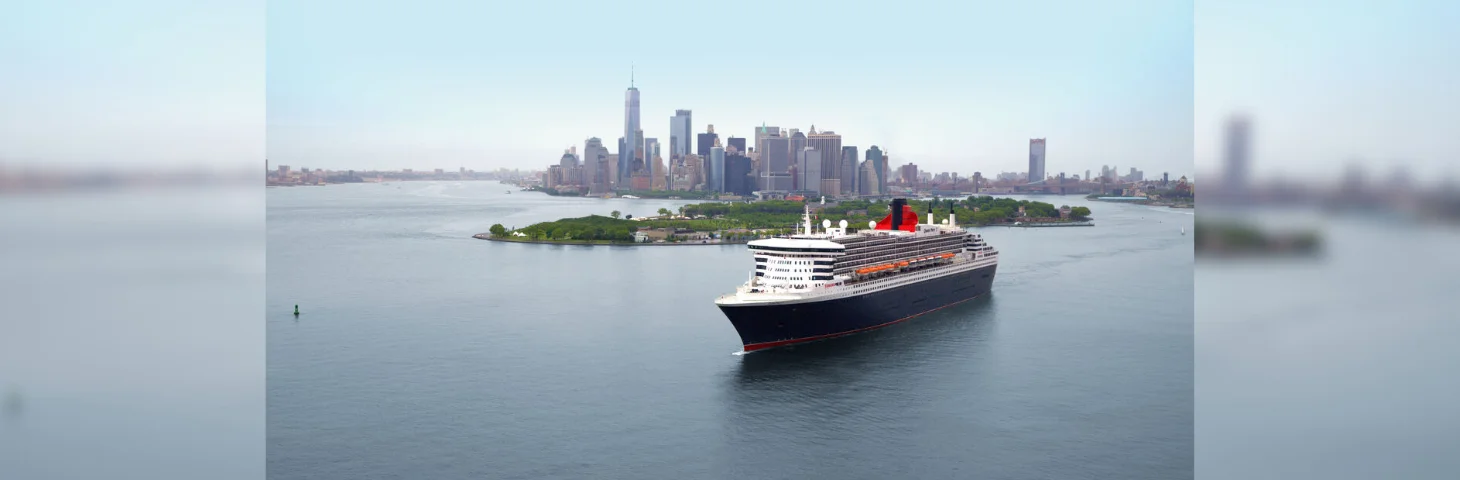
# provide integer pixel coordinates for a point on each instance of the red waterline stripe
(762, 346)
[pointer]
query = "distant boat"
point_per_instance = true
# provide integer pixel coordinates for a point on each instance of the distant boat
(1183, 230)
(509, 192)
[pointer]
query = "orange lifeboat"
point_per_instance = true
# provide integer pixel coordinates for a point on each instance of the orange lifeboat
(947, 255)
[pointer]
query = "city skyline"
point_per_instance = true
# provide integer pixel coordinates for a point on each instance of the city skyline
(442, 97)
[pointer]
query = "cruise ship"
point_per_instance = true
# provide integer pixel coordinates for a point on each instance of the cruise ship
(818, 285)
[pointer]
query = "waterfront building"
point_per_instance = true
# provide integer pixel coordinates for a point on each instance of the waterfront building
(849, 170)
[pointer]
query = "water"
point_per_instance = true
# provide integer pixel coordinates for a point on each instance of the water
(424, 353)
(131, 340)
(1339, 367)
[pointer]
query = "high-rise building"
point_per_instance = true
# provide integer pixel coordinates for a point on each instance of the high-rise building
(977, 179)
(738, 143)
(797, 143)
(808, 169)
(679, 134)
(716, 173)
(697, 168)
(1036, 160)
(1234, 178)
(909, 174)
(1087, 175)
(623, 164)
(849, 170)
(632, 131)
(660, 174)
(613, 172)
(830, 145)
(879, 169)
(738, 178)
(775, 161)
(706, 141)
(867, 179)
(649, 148)
(593, 154)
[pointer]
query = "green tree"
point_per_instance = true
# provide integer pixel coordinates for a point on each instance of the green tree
(498, 230)
(615, 214)
(664, 212)
(1080, 213)
(628, 217)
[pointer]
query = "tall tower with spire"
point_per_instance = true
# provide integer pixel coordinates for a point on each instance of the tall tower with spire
(631, 131)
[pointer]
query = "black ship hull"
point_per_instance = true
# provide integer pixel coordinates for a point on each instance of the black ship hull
(773, 325)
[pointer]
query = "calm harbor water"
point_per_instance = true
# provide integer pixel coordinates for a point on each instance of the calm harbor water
(424, 353)
(1339, 367)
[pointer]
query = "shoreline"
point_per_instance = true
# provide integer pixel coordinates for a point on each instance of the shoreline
(1044, 224)
(490, 238)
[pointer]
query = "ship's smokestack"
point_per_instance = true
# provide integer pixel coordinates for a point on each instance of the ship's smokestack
(895, 209)
(930, 213)
(952, 219)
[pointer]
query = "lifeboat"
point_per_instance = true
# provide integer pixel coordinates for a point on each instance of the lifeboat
(947, 255)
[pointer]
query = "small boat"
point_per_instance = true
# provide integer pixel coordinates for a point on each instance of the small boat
(1183, 230)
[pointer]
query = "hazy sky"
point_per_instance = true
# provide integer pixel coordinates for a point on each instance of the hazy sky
(953, 86)
(149, 82)
(1328, 83)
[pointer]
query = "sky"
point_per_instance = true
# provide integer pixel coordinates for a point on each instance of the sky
(951, 86)
(86, 83)
(1328, 84)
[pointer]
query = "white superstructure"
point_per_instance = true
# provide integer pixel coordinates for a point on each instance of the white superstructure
(834, 262)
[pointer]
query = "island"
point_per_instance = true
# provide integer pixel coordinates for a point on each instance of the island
(1229, 238)
(718, 223)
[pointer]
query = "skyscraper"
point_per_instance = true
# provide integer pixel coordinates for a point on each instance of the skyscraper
(707, 140)
(631, 131)
(716, 174)
(879, 169)
(623, 164)
(830, 145)
(1036, 160)
(1234, 178)
(797, 142)
(679, 134)
(593, 154)
(738, 143)
(849, 170)
(808, 169)
(867, 178)
(775, 163)
(738, 178)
